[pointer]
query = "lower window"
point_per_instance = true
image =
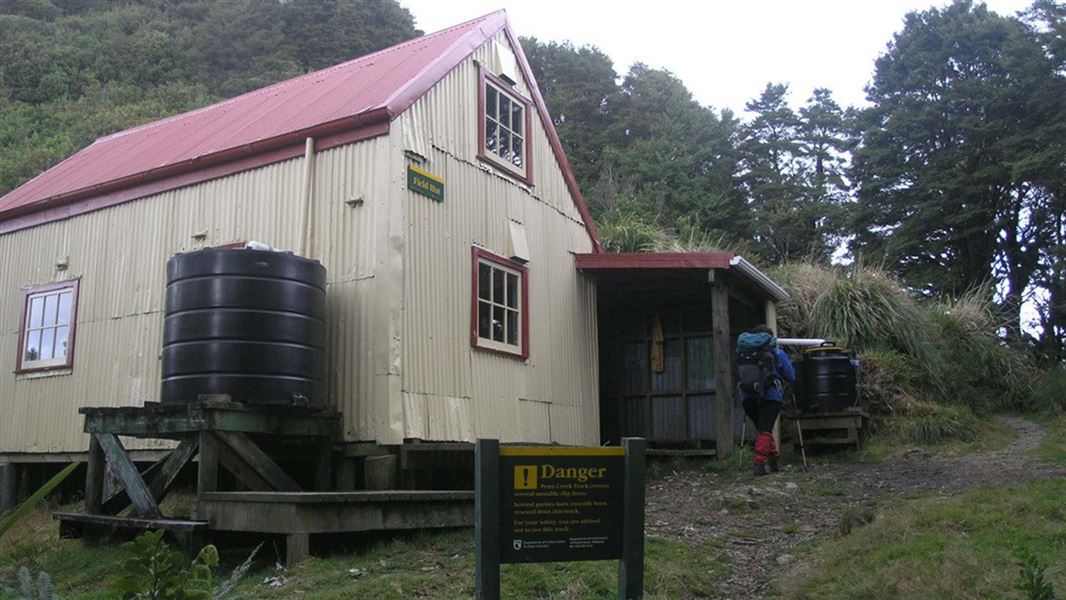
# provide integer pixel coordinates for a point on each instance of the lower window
(46, 328)
(500, 305)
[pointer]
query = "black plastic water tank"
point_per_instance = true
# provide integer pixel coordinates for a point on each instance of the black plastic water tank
(249, 324)
(828, 380)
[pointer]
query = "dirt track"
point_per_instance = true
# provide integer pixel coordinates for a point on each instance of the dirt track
(761, 520)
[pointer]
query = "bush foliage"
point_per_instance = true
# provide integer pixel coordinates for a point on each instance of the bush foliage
(935, 363)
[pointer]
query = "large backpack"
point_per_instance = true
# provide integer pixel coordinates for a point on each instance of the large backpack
(755, 362)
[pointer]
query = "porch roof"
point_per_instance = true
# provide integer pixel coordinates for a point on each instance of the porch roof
(691, 266)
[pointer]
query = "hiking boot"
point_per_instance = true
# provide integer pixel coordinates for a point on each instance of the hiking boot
(775, 464)
(760, 469)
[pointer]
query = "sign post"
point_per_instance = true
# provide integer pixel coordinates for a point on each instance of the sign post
(556, 504)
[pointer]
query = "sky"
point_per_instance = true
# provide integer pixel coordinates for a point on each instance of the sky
(725, 51)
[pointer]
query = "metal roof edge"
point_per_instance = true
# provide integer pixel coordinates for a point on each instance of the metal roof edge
(741, 265)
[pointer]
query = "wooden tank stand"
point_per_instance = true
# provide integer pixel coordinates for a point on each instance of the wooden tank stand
(216, 433)
(837, 428)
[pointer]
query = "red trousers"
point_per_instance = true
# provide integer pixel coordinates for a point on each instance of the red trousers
(765, 448)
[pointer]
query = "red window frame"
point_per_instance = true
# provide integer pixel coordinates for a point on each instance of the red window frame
(484, 79)
(478, 256)
(29, 292)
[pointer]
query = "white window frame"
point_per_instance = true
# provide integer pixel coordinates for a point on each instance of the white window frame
(28, 325)
(485, 340)
(503, 89)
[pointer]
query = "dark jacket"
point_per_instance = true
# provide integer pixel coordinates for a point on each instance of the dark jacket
(783, 371)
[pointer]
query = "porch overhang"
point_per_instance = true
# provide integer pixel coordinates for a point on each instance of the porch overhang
(660, 267)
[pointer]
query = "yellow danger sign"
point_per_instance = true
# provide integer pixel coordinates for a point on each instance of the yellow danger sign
(525, 477)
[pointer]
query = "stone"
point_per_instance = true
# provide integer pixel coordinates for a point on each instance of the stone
(784, 559)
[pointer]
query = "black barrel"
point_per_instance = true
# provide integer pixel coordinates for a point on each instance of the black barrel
(828, 380)
(249, 324)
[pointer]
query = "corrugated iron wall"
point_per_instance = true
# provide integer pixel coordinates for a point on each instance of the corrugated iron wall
(120, 253)
(398, 299)
(451, 391)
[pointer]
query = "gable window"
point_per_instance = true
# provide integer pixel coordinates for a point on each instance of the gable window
(504, 127)
(46, 327)
(500, 305)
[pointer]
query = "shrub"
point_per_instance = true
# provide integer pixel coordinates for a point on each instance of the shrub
(623, 231)
(29, 590)
(156, 571)
(976, 367)
(889, 380)
(928, 423)
(867, 308)
(1032, 579)
(1049, 391)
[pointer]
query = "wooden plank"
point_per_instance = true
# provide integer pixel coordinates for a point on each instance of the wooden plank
(160, 476)
(131, 522)
(262, 464)
(207, 467)
(360, 449)
(380, 472)
(390, 497)
(245, 474)
(723, 369)
(169, 421)
(144, 505)
(94, 478)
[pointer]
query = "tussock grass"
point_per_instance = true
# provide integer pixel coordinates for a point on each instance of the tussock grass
(957, 547)
(914, 354)
(927, 423)
(1049, 391)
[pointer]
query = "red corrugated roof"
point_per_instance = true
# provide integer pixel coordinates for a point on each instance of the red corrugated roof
(361, 94)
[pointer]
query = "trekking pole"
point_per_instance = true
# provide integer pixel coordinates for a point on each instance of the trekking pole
(799, 428)
(803, 451)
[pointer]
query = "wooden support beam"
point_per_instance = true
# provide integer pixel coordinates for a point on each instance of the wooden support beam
(94, 478)
(159, 476)
(229, 460)
(724, 392)
(144, 505)
(324, 465)
(262, 464)
(207, 464)
(7, 487)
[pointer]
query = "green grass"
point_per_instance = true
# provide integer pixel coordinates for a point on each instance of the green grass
(955, 547)
(441, 566)
(433, 566)
(989, 434)
(1052, 448)
(76, 570)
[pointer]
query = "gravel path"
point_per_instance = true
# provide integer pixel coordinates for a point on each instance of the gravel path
(761, 520)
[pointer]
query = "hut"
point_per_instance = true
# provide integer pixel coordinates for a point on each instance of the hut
(465, 277)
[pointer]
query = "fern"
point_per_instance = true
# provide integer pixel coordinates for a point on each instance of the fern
(1032, 582)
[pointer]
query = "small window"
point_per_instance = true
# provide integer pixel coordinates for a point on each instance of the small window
(500, 314)
(46, 330)
(504, 127)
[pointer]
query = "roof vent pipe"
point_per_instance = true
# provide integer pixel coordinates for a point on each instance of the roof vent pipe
(305, 205)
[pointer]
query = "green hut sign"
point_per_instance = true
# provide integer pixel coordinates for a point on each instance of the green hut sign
(425, 183)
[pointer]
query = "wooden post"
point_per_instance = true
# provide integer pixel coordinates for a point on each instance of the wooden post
(7, 487)
(631, 567)
(724, 392)
(771, 322)
(297, 548)
(381, 472)
(487, 519)
(207, 474)
(94, 478)
(324, 465)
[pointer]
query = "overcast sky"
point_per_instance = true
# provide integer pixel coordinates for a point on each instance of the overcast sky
(724, 50)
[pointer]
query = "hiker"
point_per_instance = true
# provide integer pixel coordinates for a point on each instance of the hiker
(761, 369)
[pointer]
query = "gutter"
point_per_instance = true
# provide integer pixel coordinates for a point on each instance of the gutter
(740, 264)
